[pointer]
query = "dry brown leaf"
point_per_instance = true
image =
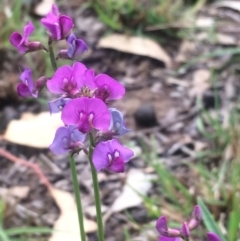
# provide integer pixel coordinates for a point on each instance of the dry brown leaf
(185, 50)
(67, 226)
(33, 130)
(219, 38)
(44, 7)
(235, 5)
(19, 192)
(12, 196)
(137, 183)
(136, 45)
(200, 83)
(204, 22)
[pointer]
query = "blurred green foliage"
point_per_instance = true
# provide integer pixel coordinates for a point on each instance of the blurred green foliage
(132, 15)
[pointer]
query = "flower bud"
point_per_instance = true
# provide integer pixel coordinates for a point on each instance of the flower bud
(185, 230)
(162, 228)
(196, 218)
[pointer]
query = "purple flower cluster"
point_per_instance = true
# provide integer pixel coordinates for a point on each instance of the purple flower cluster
(183, 233)
(81, 96)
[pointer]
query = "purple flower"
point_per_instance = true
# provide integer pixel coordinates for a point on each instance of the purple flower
(57, 105)
(108, 88)
(86, 113)
(185, 231)
(67, 139)
(27, 87)
(163, 238)
(213, 237)
(21, 42)
(111, 155)
(162, 228)
(117, 126)
(76, 47)
(66, 79)
(58, 26)
(196, 218)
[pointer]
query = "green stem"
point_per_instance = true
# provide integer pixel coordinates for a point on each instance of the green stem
(52, 56)
(78, 197)
(96, 191)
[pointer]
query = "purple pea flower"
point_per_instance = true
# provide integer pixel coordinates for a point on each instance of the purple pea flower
(21, 42)
(213, 237)
(108, 88)
(117, 126)
(162, 228)
(67, 139)
(66, 80)
(57, 105)
(111, 155)
(86, 113)
(76, 47)
(196, 218)
(27, 87)
(58, 26)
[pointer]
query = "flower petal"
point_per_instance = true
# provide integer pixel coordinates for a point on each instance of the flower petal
(104, 156)
(59, 144)
(100, 157)
(26, 78)
(23, 90)
(76, 135)
(163, 238)
(62, 76)
(108, 88)
(162, 225)
(98, 117)
(51, 23)
(55, 10)
(15, 39)
(101, 119)
(117, 126)
(117, 165)
(71, 41)
(126, 153)
(78, 73)
(28, 30)
(57, 105)
(87, 79)
(213, 237)
(66, 24)
(81, 47)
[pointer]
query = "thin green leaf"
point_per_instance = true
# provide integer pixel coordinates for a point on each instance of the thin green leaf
(209, 221)
(28, 230)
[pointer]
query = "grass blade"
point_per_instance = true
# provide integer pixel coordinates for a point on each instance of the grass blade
(208, 220)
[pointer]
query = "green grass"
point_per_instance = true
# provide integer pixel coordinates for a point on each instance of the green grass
(132, 15)
(215, 176)
(20, 233)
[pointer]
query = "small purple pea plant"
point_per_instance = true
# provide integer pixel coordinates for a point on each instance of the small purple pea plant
(83, 100)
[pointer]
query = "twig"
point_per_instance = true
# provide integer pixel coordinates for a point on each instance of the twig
(23, 162)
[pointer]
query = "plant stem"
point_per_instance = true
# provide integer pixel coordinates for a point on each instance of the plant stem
(96, 191)
(52, 56)
(78, 197)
